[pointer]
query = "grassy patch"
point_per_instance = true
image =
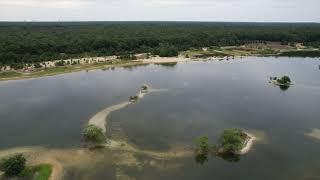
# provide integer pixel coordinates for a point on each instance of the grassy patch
(10, 74)
(39, 172)
(301, 53)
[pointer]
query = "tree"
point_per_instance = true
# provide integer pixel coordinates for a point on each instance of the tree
(202, 149)
(203, 146)
(93, 134)
(13, 165)
(232, 140)
(284, 80)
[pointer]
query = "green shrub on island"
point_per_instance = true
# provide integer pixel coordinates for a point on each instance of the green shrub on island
(202, 145)
(14, 165)
(232, 140)
(144, 87)
(93, 134)
(133, 98)
(202, 149)
(284, 80)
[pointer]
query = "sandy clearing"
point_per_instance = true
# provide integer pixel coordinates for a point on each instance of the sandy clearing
(165, 60)
(314, 133)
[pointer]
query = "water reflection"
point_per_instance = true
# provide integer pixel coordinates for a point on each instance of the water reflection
(133, 66)
(202, 158)
(168, 64)
(284, 87)
(229, 157)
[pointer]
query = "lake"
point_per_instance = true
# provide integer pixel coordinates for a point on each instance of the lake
(202, 98)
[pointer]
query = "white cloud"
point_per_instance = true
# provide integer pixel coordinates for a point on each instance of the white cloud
(45, 3)
(187, 10)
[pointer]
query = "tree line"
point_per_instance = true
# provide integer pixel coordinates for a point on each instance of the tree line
(25, 42)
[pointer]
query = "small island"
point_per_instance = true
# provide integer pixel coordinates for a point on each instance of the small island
(234, 141)
(232, 144)
(133, 98)
(144, 88)
(283, 81)
(94, 136)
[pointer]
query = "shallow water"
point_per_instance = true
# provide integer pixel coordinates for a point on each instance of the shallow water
(203, 98)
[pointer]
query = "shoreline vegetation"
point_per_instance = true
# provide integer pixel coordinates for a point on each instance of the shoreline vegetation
(51, 68)
(35, 49)
(232, 144)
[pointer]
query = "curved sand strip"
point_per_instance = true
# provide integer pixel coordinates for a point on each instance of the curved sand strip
(81, 157)
(314, 133)
(248, 145)
(175, 151)
(100, 119)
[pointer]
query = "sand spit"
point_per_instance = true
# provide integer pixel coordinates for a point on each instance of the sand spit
(118, 152)
(100, 119)
(248, 145)
(175, 151)
(314, 133)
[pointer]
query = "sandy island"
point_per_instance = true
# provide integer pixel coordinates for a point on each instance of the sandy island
(248, 144)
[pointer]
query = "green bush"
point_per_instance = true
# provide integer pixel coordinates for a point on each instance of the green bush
(94, 134)
(284, 80)
(203, 145)
(13, 165)
(232, 140)
(202, 149)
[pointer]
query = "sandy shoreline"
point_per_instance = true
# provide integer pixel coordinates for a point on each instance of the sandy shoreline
(97, 63)
(248, 145)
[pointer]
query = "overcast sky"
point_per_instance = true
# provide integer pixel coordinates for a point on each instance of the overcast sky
(161, 10)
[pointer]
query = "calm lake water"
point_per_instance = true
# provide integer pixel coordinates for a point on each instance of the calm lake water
(203, 98)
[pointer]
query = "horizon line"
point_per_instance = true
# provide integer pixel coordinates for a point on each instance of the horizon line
(70, 21)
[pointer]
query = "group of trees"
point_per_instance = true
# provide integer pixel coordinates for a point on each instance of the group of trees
(94, 135)
(13, 165)
(37, 42)
(230, 143)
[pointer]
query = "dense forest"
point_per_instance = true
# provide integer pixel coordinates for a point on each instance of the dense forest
(27, 42)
